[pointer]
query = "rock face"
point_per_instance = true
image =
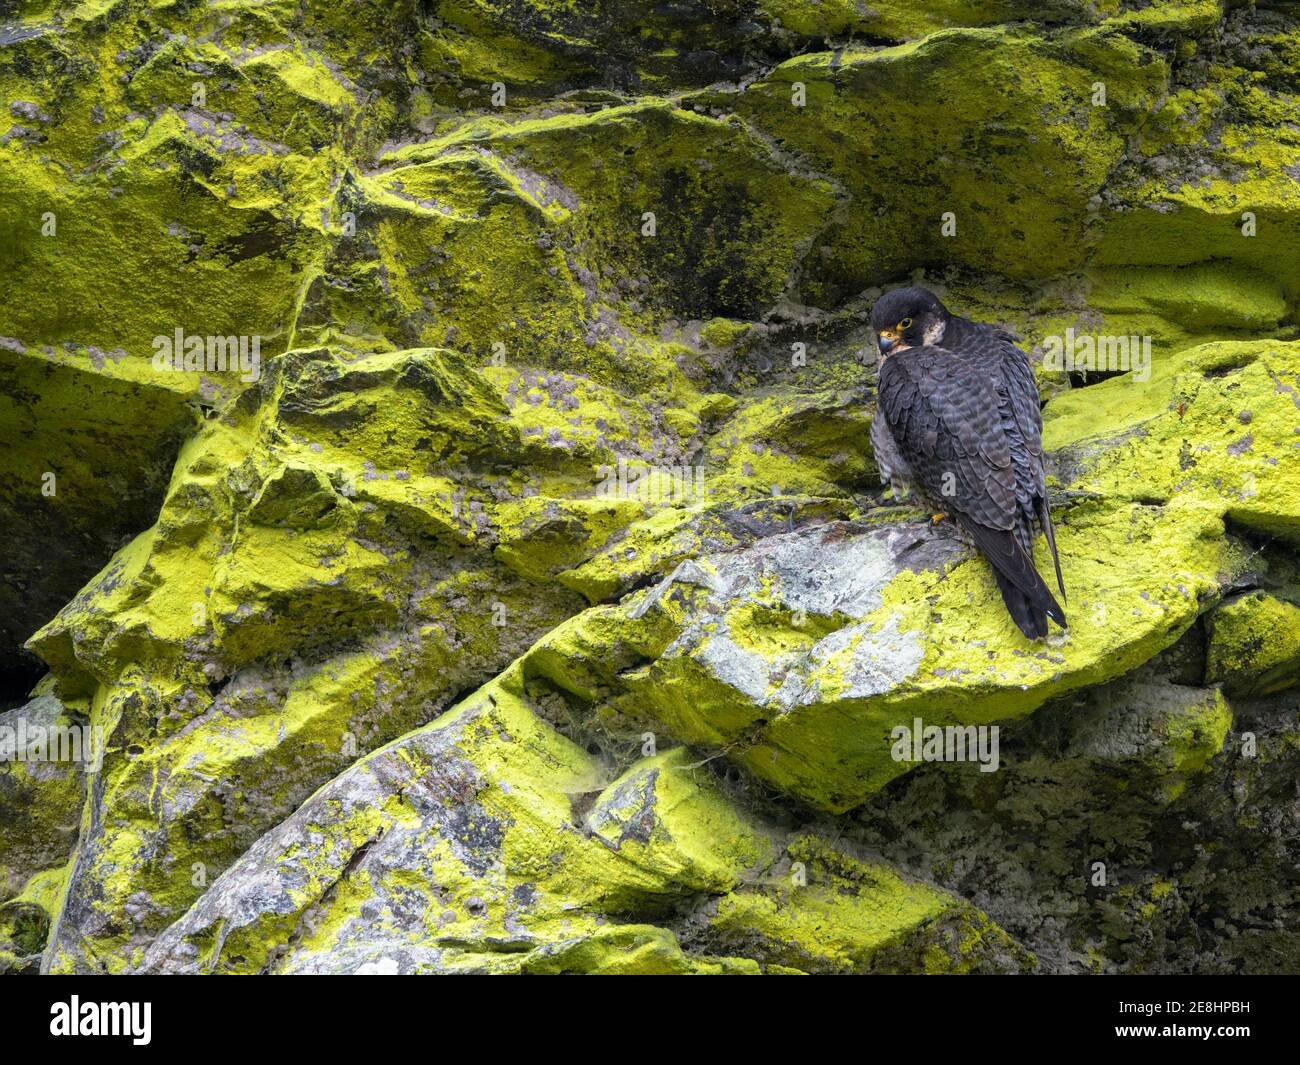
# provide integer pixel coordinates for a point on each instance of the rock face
(434, 458)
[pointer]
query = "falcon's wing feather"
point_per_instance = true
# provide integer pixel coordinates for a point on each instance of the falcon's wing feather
(947, 416)
(943, 413)
(1020, 390)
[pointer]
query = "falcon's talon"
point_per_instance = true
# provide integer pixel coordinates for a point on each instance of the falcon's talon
(936, 518)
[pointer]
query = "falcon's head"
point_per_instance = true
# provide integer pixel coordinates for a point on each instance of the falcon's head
(907, 317)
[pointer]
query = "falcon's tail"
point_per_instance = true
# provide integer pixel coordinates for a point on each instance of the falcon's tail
(1029, 619)
(1029, 601)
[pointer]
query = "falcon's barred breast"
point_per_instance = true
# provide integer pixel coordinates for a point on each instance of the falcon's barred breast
(958, 421)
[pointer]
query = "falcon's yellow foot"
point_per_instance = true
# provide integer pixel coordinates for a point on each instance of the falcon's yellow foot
(936, 518)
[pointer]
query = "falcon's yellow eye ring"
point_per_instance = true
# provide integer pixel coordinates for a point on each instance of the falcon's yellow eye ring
(906, 323)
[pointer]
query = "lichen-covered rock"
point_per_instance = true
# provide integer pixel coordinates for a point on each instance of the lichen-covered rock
(25, 921)
(517, 242)
(87, 445)
(45, 756)
(1211, 175)
(523, 599)
(851, 916)
(463, 847)
(1215, 424)
(1118, 814)
(797, 657)
(1254, 645)
(1027, 102)
(313, 587)
(45, 761)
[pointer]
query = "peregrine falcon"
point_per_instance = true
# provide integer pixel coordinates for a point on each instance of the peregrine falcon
(958, 422)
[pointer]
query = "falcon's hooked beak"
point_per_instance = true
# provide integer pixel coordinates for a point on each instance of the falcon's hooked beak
(886, 339)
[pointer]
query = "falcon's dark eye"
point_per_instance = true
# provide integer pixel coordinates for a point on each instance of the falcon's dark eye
(906, 323)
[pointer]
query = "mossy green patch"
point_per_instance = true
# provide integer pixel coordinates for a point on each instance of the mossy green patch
(1254, 645)
(839, 915)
